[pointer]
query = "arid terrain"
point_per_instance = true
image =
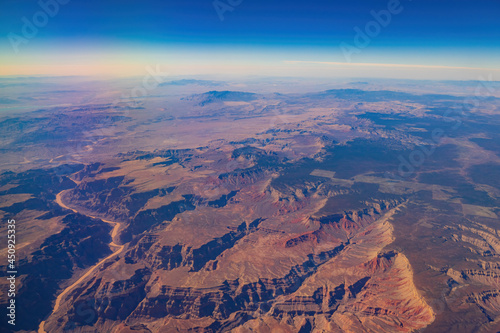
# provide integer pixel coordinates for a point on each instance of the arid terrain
(256, 206)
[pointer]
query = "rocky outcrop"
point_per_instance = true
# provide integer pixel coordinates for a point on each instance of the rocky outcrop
(244, 176)
(170, 257)
(342, 226)
(146, 219)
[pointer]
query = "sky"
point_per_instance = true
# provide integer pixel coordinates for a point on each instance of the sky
(421, 39)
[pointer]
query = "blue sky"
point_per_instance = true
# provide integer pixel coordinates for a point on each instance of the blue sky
(455, 33)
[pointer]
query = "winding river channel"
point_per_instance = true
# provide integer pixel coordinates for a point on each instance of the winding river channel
(114, 246)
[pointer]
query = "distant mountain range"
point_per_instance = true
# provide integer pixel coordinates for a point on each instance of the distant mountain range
(222, 96)
(379, 95)
(186, 82)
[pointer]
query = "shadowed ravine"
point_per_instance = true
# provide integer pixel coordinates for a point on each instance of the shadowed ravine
(118, 249)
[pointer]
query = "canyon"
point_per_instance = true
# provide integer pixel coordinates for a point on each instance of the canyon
(247, 211)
